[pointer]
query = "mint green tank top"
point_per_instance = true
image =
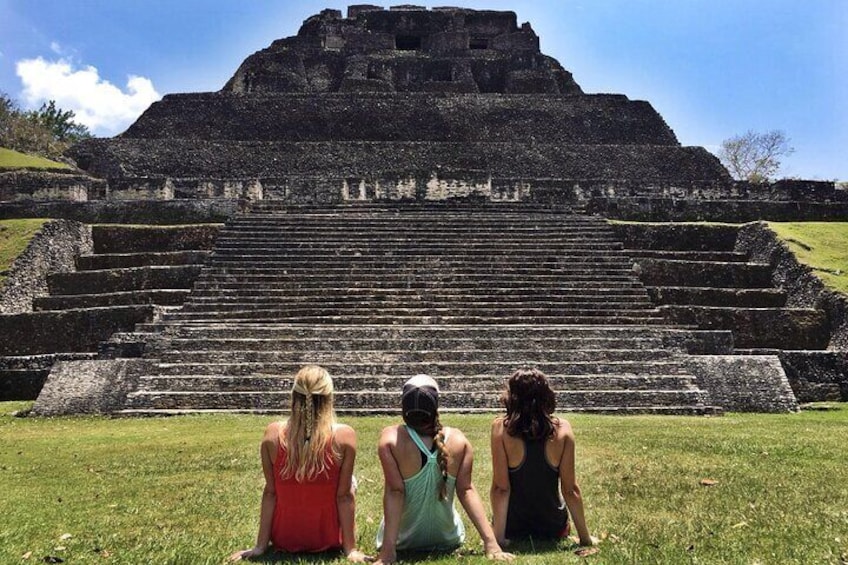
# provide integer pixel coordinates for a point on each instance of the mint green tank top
(427, 523)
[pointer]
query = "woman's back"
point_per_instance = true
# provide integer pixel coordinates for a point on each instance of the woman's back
(535, 503)
(427, 521)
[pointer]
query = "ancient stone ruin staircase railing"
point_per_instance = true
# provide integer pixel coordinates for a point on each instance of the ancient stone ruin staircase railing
(377, 294)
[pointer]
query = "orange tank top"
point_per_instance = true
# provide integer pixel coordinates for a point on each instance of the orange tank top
(306, 516)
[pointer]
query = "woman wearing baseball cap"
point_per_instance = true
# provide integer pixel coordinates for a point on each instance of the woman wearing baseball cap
(424, 465)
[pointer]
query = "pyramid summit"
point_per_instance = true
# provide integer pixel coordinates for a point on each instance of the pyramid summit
(399, 103)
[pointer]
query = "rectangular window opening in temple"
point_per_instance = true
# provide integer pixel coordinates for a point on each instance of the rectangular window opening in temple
(408, 43)
(478, 43)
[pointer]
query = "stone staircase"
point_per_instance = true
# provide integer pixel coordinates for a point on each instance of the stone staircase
(378, 294)
(695, 276)
(122, 283)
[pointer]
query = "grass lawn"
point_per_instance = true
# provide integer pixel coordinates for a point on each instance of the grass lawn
(15, 235)
(820, 245)
(186, 489)
(10, 159)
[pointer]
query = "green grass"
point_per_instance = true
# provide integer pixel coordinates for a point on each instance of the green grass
(15, 235)
(186, 489)
(821, 245)
(10, 159)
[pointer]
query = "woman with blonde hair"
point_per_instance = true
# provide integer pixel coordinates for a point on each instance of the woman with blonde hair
(308, 502)
(533, 465)
(424, 465)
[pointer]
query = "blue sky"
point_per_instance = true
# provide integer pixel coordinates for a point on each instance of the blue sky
(712, 68)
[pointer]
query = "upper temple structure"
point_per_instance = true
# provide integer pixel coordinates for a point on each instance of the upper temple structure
(404, 103)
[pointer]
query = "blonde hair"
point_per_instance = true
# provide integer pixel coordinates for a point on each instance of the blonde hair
(308, 435)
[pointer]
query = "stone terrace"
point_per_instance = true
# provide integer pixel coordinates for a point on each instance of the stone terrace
(380, 294)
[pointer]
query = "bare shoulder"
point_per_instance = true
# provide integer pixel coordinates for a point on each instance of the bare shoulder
(498, 426)
(389, 435)
(563, 430)
(343, 433)
(273, 430)
(455, 439)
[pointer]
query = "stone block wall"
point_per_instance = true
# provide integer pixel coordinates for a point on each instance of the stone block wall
(803, 288)
(41, 185)
(587, 120)
(52, 250)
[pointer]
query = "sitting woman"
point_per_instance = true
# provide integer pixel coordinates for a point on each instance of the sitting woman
(533, 465)
(308, 501)
(424, 465)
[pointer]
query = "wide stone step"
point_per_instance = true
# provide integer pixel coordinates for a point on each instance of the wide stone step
(483, 310)
(627, 293)
(390, 401)
(467, 228)
(341, 344)
(755, 328)
(521, 356)
(420, 304)
(712, 256)
(335, 262)
(124, 260)
(340, 256)
(458, 248)
(66, 330)
(661, 272)
(706, 296)
(425, 279)
(452, 287)
(266, 316)
(683, 410)
(123, 280)
(434, 368)
(388, 383)
(277, 330)
(165, 297)
(434, 270)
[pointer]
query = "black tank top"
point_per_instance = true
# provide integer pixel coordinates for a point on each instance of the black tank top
(535, 505)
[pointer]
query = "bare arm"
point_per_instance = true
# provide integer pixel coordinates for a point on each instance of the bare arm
(570, 490)
(393, 495)
(499, 493)
(345, 437)
(269, 495)
(470, 500)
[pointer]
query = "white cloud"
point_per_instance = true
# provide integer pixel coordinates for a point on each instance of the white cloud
(55, 47)
(98, 104)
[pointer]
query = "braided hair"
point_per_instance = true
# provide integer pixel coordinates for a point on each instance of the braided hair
(420, 404)
(308, 435)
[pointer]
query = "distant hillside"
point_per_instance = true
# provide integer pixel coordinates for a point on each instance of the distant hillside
(10, 159)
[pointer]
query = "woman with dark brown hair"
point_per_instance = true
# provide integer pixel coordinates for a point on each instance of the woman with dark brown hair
(533, 465)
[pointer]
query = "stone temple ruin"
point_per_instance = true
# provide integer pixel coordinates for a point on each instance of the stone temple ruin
(405, 191)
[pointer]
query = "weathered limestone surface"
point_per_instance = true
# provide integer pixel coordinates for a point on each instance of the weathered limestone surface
(741, 383)
(52, 250)
(41, 185)
(583, 120)
(803, 288)
(87, 387)
(817, 376)
(66, 331)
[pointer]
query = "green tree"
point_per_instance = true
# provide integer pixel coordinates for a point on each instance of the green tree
(48, 131)
(60, 123)
(755, 157)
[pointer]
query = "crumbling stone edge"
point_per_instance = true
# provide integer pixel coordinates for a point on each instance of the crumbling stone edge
(52, 250)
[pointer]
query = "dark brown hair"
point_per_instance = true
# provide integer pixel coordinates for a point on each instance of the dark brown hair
(530, 404)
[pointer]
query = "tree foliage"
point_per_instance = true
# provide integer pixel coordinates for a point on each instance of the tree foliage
(755, 157)
(48, 131)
